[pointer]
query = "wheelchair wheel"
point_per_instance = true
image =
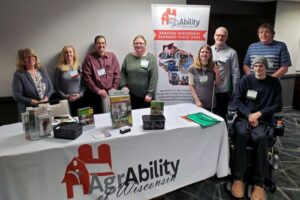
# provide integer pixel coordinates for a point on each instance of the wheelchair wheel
(272, 188)
(270, 185)
(249, 191)
(228, 186)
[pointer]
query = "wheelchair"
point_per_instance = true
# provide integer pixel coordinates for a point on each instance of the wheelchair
(276, 130)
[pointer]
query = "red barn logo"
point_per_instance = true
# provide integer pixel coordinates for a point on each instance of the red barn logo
(168, 15)
(77, 172)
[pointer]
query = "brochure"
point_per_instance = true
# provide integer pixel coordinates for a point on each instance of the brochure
(86, 118)
(62, 118)
(203, 119)
(101, 134)
(120, 108)
(156, 107)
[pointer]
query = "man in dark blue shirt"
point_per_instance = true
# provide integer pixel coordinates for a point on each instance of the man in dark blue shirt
(258, 97)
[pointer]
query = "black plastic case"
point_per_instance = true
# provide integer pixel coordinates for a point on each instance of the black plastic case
(153, 122)
(67, 130)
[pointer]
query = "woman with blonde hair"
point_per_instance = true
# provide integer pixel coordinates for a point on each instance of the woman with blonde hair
(67, 78)
(31, 84)
(202, 78)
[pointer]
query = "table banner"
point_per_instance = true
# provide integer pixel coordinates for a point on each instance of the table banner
(138, 165)
(100, 170)
(179, 32)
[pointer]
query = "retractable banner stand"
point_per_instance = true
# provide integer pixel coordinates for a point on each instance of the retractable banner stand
(179, 32)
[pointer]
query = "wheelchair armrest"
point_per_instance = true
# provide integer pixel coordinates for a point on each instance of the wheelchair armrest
(230, 115)
(278, 126)
(279, 130)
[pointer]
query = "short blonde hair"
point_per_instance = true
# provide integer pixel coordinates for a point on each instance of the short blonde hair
(223, 29)
(22, 53)
(62, 63)
(198, 63)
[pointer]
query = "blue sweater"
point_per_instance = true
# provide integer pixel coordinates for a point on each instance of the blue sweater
(268, 100)
(65, 84)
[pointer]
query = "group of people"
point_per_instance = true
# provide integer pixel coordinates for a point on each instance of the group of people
(89, 84)
(215, 79)
(215, 73)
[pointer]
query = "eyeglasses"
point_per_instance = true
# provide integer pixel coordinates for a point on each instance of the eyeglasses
(220, 35)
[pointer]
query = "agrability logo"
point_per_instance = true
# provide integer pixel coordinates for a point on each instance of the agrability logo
(169, 17)
(135, 179)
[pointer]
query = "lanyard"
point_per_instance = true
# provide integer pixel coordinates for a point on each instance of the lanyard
(101, 60)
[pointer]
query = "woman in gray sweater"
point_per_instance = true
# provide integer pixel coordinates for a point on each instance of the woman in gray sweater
(67, 79)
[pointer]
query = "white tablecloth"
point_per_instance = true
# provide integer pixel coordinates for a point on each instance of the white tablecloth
(152, 162)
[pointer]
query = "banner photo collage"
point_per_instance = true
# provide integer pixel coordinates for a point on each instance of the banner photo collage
(179, 32)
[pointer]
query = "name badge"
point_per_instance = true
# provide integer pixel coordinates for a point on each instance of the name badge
(270, 64)
(222, 59)
(73, 73)
(203, 79)
(101, 72)
(251, 94)
(144, 63)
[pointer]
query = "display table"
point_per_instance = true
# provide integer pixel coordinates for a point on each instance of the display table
(151, 163)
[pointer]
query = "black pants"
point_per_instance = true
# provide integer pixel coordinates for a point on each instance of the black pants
(74, 105)
(222, 101)
(93, 100)
(259, 139)
(138, 102)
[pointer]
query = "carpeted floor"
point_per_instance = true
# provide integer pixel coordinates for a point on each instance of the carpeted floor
(287, 177)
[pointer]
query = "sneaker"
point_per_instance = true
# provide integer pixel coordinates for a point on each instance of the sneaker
(237, 189)
(258, 193)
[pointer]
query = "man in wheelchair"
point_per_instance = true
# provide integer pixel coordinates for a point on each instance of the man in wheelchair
(257, 98)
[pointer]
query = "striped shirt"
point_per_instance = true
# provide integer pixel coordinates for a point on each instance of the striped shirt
(276, 53)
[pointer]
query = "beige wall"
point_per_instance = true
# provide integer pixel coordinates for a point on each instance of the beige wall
(287, 27)
(47, 25)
